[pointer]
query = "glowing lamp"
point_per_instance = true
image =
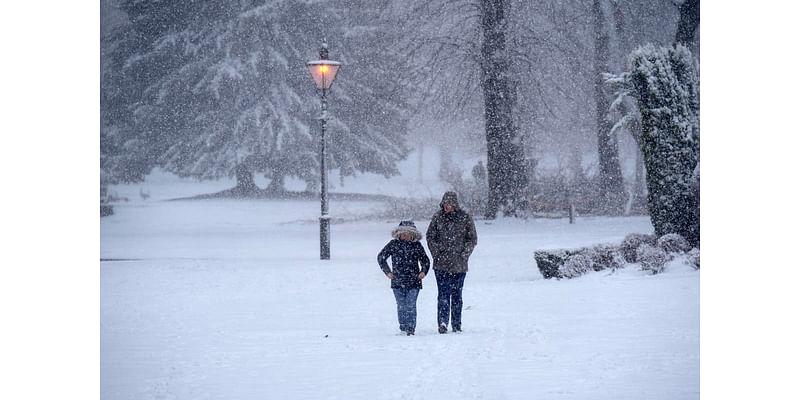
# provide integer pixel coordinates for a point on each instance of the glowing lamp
(323, 72)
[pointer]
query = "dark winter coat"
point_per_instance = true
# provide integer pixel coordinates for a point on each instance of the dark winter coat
(407, 257)
(451, 237)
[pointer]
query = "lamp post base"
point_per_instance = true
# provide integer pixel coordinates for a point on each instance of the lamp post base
(324, 238)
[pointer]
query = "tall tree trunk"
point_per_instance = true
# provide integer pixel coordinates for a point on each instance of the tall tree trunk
(639, 184)
(505, 159)
(446, 173)
(612, 189)
(688, 22)
(245, 183)
(276, 183)
(687, 25)
(421, 149)
(623, 34)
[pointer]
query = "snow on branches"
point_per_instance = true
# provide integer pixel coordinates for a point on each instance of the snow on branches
(665, 84)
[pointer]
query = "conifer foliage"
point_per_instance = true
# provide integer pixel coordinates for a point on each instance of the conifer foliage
(212, 89)
(664, 81)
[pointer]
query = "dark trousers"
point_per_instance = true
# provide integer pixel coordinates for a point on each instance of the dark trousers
(450, 301)
(406, 308)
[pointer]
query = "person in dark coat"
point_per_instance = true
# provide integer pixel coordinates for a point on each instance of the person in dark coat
(479, 172)
(451, 237)
(408, 256)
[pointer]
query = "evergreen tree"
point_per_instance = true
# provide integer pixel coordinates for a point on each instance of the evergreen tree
(664, 82)
(128, 153)
(221, 89)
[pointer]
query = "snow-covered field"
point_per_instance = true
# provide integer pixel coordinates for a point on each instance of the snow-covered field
(221, 299)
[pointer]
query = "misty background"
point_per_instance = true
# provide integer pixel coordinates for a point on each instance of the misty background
(213, 89)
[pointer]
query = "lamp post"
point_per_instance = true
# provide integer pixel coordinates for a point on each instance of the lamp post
(323, 72)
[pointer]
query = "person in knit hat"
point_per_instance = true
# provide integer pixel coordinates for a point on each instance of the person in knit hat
(408, 256)
(451, 237)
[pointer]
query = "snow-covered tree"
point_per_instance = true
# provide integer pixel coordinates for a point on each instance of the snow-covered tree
(688, 22)
(664, 81)
(612, 188)
(493, 48)
(128, 154)
(221, 89)
(505, 156)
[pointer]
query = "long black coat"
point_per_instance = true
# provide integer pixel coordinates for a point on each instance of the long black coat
(407, 257)
(451, 237)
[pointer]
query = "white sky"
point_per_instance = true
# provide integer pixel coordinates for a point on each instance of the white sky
(50, 280)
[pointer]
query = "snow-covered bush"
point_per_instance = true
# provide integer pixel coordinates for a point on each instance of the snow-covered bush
(567, 263)
(632, 242)
(651, 252)
(605, 256)
(674, 243)
(576, 265)
(549, 188)
(652, 258)
(550, 261)
(694, 257)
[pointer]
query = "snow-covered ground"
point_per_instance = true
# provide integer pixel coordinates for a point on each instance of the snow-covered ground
(221, 299)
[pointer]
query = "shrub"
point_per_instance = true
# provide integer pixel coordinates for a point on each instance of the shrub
(632, 242)
(605, 256)
(576, 265)
(694, 257)
(550, 261)
(651, 258)
(674, 243)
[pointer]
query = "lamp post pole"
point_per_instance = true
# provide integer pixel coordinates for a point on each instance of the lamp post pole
(324, 219)
(323, 72)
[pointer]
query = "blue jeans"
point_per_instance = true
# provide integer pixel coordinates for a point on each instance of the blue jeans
(449, 301)
(406, 308)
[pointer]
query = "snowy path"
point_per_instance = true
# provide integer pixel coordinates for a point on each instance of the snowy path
(228, 300)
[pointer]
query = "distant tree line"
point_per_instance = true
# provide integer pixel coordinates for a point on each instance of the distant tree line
(213, 89)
